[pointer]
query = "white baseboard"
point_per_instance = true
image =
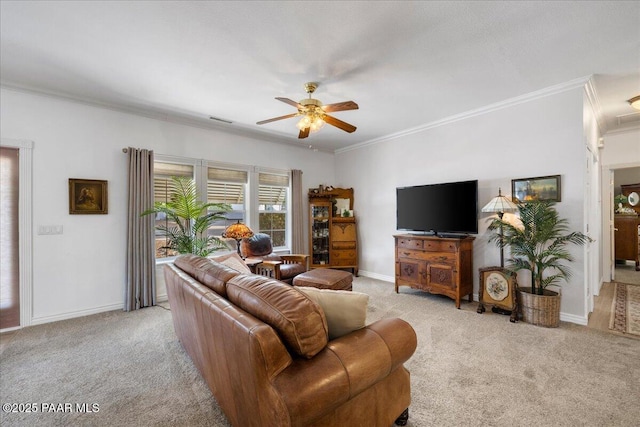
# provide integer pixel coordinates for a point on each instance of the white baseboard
(376, 276)
(88, 312)
(73, 314)
(572, 318)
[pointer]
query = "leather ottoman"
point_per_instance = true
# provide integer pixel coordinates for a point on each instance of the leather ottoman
(325, 278)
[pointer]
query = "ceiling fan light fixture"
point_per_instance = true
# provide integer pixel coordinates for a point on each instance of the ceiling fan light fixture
(313, 114)
(304, 123)
(311, 120)
(635, 102)
(316, 124)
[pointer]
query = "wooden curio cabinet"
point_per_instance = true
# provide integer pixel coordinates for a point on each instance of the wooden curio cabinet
(332, 237)
(319, 230)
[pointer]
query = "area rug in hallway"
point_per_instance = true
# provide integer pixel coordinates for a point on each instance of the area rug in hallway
(625, 309)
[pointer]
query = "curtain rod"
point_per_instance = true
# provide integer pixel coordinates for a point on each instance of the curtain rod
(125, 150)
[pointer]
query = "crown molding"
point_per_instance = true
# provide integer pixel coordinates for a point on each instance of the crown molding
(511, 102)
(592, 96)
(181, 118)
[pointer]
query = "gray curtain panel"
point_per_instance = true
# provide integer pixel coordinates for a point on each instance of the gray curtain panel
(297, 214)
(141, 266)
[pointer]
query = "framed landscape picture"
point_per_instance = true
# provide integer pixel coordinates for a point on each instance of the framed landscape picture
(87, 196)
(546, 188)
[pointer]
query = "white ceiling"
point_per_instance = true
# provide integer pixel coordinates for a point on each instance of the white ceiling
(407, 64)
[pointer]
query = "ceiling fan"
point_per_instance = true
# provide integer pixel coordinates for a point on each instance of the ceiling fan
(314, 114)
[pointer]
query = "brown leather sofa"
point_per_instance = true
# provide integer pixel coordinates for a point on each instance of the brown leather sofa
(262, 347)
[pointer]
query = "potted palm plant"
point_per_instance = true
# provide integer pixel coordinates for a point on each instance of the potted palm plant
(539, 244)
(188, 219)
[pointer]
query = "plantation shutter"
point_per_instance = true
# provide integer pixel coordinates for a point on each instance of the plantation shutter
(273, 189)
(226, 186)
(162, 173)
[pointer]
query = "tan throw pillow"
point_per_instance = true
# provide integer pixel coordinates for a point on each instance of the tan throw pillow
(345, 311)
(234, 262)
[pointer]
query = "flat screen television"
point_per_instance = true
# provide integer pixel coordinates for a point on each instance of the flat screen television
(442, 209)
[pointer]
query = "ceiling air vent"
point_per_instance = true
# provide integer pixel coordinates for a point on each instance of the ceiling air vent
(628, 118)
(218, 119)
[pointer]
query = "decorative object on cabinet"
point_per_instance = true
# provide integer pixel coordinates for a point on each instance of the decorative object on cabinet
(332, 238)
(539, 245)
(500, 205)
(498, 289)
(237, 231)
(88, 196)
(631, 193)
(542, 188)
(437, 265)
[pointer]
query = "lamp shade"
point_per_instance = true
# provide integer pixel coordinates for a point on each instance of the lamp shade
(500, 204)
(237, 231)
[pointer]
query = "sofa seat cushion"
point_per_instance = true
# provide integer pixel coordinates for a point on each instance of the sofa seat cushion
(345, 311)
(208, 272)
(298, 320)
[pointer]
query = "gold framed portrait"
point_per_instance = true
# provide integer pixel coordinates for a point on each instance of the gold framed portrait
(498, 288)
(87, 196)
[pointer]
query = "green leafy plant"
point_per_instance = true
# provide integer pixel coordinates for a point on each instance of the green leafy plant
(538, 244)
(189, 219)
(620, 199)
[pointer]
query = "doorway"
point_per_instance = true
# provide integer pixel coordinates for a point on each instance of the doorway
(9, 238)
(624, 269)
(20, 259)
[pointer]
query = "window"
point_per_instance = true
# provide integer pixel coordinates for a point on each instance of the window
(257, 198)
(272, 206)
(227, 186)
(162, 173)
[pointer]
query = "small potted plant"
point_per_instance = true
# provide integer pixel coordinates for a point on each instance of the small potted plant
(538, 244)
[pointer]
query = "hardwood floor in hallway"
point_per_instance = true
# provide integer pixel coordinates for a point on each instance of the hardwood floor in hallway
(599, 319)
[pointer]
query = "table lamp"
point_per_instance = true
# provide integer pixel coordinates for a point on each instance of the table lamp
(500, 205)
(237, 231)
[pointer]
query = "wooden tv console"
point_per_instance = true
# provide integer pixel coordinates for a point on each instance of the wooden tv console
(438, 265)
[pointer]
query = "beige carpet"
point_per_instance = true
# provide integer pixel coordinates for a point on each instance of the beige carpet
(469, 369)
(625, 309)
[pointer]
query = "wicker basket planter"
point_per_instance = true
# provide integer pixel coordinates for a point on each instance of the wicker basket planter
(540, 310)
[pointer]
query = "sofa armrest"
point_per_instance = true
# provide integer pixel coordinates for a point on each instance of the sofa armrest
(297, 259)
(346, 367)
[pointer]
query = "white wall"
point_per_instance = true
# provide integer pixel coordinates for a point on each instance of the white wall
(82, 271)
(541, 137)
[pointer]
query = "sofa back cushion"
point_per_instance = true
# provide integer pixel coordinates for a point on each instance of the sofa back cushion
(208, 272)
(298, 320)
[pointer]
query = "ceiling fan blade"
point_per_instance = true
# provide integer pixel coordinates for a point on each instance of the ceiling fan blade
(340, 106)
(290, 102)
(303, 133)
(339, 123)
(288, 116)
